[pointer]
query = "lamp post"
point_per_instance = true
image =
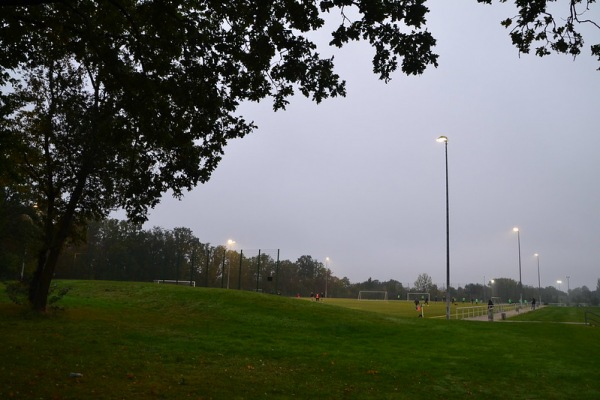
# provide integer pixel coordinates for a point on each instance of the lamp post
(492, 287)
(559, 282)
(229, 243)
(444, 139)
(539, 282)
(326, 274)
(568, 290)
(516, 229)
(195, 243)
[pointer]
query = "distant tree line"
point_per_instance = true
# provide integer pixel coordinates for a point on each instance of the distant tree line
(120, 250)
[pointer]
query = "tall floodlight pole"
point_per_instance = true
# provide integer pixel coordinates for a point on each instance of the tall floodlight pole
(483, 298)
(230, 242)
(559, 282)
(539, 282)
(444, 139)
(568, 290)
(326, 274)
(515, 229)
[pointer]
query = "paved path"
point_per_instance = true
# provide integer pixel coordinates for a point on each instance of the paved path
(498, 316)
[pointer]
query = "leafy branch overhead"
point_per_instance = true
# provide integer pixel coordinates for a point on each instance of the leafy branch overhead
(390, 43)
(113, 103)
(169, 76)
(549, 27)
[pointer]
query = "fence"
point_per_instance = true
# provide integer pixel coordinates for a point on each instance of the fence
(592, 319)
(176, 282)
(478, 311)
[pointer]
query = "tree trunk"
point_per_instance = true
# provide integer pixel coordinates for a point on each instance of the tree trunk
(47, 261)
(42, 277)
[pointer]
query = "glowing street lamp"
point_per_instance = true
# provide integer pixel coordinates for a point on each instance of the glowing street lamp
(516, 229)
(229, 243)
(444, 139)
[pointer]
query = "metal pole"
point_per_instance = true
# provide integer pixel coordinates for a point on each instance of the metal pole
(228, 272)
(277, 274)
(257, 270)
(447, 237)
(192, 264)
(326, 274)
(177, 265)
(207, 264)
(483, 288)
(539, 282)
(223, 267)
(520, 281)
(240, 271)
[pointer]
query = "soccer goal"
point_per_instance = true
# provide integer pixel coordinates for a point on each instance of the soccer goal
(373, 295)
(420, 296)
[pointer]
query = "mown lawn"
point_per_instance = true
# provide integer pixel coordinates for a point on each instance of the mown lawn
(400, 308)
(141, 340)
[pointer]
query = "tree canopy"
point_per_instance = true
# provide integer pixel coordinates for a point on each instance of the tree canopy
(110, 104)
(423, 283)
(550, 26)
(113, 103)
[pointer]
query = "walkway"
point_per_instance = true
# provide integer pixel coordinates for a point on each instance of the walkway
(498, 316)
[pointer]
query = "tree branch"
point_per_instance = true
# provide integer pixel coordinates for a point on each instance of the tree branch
(22, 3)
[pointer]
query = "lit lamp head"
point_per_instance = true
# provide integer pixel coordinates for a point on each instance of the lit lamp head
(515, 229)
(442, 139)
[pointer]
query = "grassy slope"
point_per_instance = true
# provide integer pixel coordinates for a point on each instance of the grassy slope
(135, 340)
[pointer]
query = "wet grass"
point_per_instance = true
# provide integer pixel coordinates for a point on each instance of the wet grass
(138, 340)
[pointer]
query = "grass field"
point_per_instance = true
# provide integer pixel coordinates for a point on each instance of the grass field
(394, 308)
(145, 341)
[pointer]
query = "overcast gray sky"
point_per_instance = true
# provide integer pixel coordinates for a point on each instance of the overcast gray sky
(361, 179)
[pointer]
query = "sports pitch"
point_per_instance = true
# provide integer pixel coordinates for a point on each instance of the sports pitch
(399, 308)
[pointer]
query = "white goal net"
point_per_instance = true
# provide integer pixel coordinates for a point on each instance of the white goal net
(372, 295)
